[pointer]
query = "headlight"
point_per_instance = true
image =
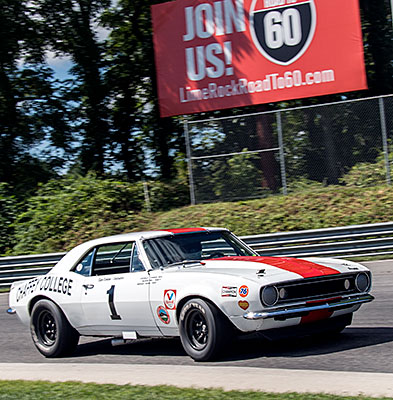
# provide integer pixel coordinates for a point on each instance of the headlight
(283, 293)
(362, 282)
(269, 296)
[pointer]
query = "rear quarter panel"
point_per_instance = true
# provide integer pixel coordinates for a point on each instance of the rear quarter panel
(58, 288)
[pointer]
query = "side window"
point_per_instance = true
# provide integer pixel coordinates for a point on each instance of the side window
(136, 264)
(84, 267)
(112, 259)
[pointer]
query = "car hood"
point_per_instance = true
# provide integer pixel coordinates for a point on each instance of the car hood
(277, 268)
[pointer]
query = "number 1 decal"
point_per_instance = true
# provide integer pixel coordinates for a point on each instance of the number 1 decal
(111, 293)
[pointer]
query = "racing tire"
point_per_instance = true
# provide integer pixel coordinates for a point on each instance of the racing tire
(203, 330)
(337, 330)
(51, 332)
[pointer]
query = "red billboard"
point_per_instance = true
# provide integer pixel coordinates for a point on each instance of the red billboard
(229, 53)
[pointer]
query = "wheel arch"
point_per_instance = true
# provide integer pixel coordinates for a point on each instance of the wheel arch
(36, 299)
(184, 300)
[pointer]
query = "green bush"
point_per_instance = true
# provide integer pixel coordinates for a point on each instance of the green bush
(167, 195)
(368, 174)
(303, 184)
(71, 209)
(7, 215)
(365, 175)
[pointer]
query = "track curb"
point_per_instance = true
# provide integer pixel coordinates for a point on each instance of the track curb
(205, 376)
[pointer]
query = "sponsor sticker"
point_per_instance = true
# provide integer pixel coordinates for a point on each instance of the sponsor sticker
(243, 291)
(170, 299)
(163, 315)
(229, 291)
(243, 304)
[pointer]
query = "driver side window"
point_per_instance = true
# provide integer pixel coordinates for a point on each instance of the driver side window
(117, 258)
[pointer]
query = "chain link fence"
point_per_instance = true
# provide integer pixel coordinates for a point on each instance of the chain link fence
(253, 155)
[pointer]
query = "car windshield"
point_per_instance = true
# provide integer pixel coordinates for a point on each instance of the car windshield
(193, 247)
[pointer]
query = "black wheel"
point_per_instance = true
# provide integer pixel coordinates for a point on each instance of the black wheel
(202, 330)
(335, 326)
(50, 330)
(340, 326)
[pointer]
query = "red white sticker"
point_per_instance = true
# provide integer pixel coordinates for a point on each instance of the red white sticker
(170, 299)
(229, 291)
(163, 315)
(243, 304)
(243, 291)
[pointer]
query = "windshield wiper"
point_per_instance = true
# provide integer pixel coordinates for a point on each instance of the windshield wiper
(184, 263)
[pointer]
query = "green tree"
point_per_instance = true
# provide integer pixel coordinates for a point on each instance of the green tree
(69, 26)
(378, 45)
(8, 212)
(30, 110)
(131, 77)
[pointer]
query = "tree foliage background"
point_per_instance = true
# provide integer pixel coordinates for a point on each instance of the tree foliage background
(103, 119)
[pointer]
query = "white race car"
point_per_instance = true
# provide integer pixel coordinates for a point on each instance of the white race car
(201, 284)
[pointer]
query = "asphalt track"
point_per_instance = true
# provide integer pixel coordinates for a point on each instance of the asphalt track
(340, 364)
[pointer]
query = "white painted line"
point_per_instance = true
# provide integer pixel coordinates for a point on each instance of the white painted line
(207, 376)
(376, 261)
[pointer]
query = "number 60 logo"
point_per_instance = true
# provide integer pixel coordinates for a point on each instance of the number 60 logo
(282, 33)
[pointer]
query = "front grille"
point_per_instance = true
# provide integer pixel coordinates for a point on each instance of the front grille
(318, 288)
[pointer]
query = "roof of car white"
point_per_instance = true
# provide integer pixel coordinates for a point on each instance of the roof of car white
(77, 252)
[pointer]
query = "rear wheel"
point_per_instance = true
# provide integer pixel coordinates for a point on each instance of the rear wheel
(50, 330)
(202, 330)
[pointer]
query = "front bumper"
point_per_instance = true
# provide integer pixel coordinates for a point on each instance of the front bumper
(293, 311)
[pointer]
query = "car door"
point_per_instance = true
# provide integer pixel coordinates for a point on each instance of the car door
(115, 291)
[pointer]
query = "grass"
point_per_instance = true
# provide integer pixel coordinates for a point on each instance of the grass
(75, 390)
(320, 208)
(314, 208)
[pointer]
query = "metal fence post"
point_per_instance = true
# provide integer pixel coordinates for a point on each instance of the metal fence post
(147, 196)
(189, 162)
(384, 140)
(282, 155)
(391, 11)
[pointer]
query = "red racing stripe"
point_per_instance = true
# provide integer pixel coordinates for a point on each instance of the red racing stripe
(306, 269)
(185, 230)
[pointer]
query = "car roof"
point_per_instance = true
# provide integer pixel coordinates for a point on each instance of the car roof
(149, 235)
(80, 250)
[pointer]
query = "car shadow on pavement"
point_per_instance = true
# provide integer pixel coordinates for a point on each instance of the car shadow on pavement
(142, 347)
(248, 348)
(322, 344)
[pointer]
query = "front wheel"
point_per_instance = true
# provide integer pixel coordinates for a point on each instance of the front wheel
(50, 330)
(202, 330)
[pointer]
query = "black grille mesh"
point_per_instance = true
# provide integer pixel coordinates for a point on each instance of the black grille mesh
(318, 288)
